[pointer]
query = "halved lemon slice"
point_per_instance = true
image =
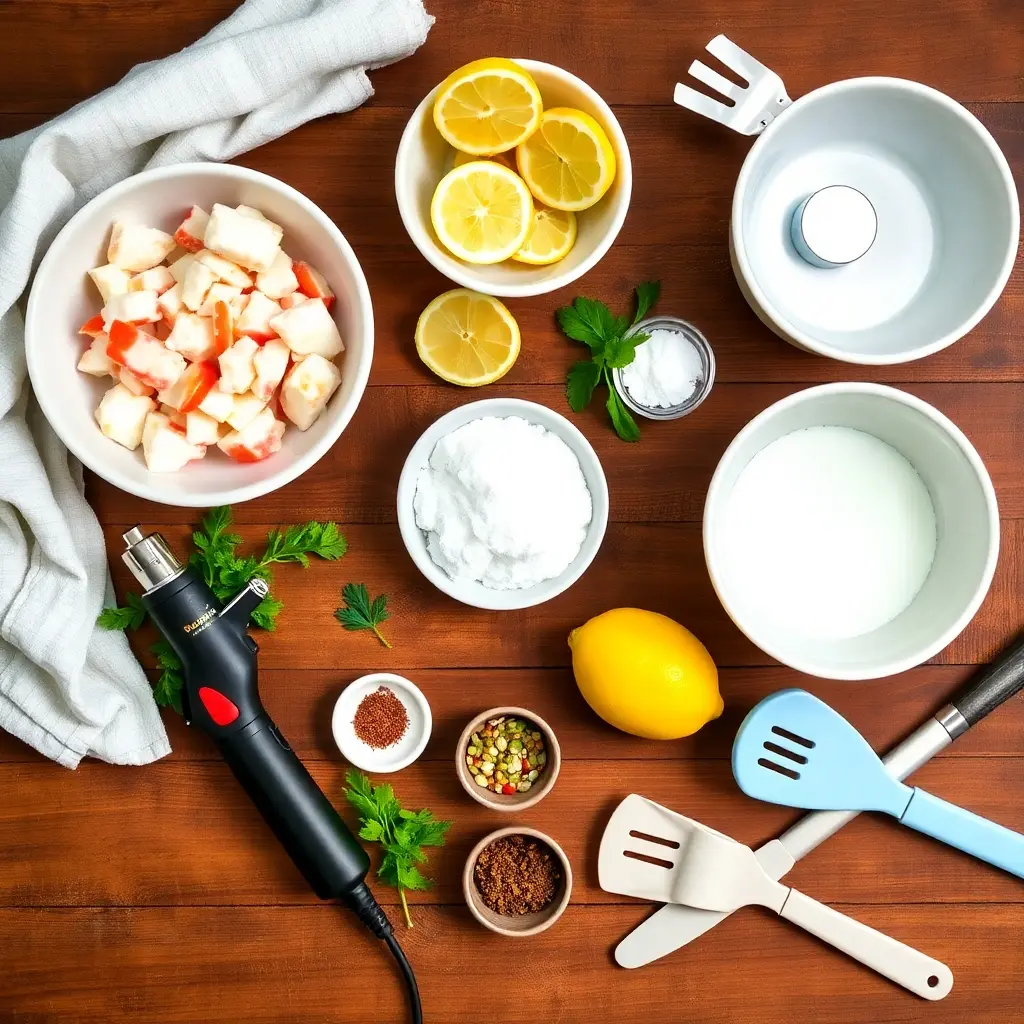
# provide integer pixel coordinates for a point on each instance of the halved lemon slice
(505, 159)
(568, 162)
(552, 235)
(467, 338)
(482, 211)
(488, 106)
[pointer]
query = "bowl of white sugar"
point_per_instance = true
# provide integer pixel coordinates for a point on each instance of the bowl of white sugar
(502, 504)
(851, 531)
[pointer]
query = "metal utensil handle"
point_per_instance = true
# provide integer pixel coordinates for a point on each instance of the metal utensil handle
(891, 958)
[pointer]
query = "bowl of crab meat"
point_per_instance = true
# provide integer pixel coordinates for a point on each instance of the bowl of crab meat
(199, 335)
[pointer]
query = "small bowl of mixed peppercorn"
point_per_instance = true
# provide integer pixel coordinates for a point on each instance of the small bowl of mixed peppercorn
(517, 881)
(507, 759)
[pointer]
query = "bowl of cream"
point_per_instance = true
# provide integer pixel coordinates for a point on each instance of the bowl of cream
(851, 531)
(502, 504)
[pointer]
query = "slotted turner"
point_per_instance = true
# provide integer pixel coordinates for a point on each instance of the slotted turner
(754, 106)
(793, 749)
(653, 853)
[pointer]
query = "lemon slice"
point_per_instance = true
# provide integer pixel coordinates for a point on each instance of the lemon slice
(505, 159)
(488, 106)
(467, 338)
(552, 235)
(568, 162)
(482, 211)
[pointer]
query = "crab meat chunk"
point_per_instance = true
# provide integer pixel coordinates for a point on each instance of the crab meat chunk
(186, 393)
(279, 280)
(191, 230)
(95, 359)
(110, 281)
(295, 299)
(131, 308)
(132, 383)
(226, 271)
(307, 387)
(237, 371)
(218, 404)
(257, 440)
(312, 283)
(252, 242)
(270, 363)
(245, 408)
(122, 416)
(165, 447)
(156, 279)
(179, 268)
(192, 336)
(200, 428)
(256, 317)
(170, 304)
(221, 292)
(250, 211)
(135, 248)
(308, 328)
(199, 279)
(146, 357)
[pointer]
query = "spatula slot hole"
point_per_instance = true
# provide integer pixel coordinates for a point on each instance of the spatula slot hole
(655, 861)
(932, 980)
(792, 737)
(783, 752)
(657, 840)
(788, 772)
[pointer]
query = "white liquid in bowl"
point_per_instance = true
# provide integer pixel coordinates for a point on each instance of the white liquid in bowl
(829, 533)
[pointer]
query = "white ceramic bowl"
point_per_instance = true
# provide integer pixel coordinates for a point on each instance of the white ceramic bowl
(948, 221)
(407, 749)
(63, 297)
(469, 591)
(424, 158)
(967, 521)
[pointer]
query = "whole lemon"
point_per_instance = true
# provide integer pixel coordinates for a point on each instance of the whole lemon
(645, 674)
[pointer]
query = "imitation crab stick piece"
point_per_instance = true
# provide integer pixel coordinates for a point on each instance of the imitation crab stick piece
(134, 247)
(132, 383)
(307, 387)
(236, 366)
(245, 408)
(290, 301)
(165, 447)
(192, 336)
(258, 440)
(189, 235)
(312, 283)
(279, 279)
(218, 405)
(95, 360)
(170, 304)
(309, 328)
(270, 363)
(179, 268)
(251, 242)
(122, 415)
(188, 391)
(156, 279)
(146, 357)
(223, 328)
(93, 326)
(132, 308)
(199, 279)
(110, 281)
(221, 292)
(226, 271)
(255, 319)
(200, 428)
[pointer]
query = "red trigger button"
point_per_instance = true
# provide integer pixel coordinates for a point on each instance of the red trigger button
(219, 708)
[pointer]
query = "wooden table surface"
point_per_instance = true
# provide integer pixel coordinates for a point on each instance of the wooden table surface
(157, 894)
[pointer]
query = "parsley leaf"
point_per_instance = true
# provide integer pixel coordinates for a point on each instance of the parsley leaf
(130, 616)
(360, 612)
(611, 346)
(582, 378)
(168, 687)
(402, 834)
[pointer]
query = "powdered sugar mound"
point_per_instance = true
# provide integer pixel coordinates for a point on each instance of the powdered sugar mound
(503, 501)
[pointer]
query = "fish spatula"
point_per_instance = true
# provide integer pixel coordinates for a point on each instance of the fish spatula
(653, 853)
(793, 749)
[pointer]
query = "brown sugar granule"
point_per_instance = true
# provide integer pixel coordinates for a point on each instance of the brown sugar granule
(517, 875)
(381, 719)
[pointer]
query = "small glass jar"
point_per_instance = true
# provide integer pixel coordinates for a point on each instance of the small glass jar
(704, 384)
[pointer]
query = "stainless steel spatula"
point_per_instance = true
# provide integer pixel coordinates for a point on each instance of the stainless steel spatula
(653, 853)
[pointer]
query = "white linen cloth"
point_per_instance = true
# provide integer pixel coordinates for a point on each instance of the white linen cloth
(66, 687)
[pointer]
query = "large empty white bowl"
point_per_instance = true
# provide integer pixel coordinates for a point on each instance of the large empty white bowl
(424, 158)
(967, 524)
(947, 211)
(63, 298)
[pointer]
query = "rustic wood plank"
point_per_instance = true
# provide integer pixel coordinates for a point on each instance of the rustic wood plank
(964, 47)
(664, 478)
(660, 567)
(186, 833)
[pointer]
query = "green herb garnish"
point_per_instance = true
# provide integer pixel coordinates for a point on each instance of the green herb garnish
(402, 834)
(225, 571)
(360, 612)
(592, 323)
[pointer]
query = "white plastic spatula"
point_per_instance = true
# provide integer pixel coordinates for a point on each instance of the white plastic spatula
(653, 853)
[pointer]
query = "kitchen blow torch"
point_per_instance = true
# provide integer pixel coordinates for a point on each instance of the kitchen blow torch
(221, 697)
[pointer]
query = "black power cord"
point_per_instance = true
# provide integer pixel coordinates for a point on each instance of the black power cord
(370, 912)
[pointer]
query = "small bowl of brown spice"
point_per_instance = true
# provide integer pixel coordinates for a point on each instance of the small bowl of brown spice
(517, 881)
(381, 722)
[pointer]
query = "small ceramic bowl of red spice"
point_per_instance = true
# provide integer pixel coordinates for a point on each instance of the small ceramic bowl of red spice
(508, 759)
(381, 722)
(517, 881)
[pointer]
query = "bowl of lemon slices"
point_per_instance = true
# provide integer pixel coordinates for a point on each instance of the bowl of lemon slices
(513, 177)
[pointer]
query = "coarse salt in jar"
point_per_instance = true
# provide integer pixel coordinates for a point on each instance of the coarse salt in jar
(673, 371)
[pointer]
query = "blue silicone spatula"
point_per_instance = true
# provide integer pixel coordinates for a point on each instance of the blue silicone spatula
(793, 749)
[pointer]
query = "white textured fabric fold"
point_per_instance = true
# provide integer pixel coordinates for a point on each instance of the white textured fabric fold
(67, 688)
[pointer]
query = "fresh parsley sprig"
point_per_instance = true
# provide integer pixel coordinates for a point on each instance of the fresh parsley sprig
(360, 612)
(402, 834)
(225, 571)
(611, 347)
